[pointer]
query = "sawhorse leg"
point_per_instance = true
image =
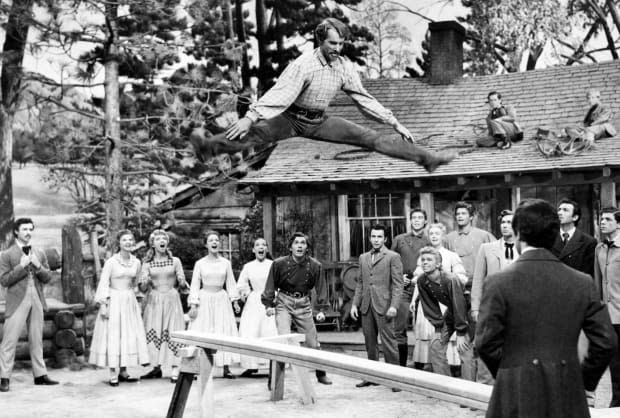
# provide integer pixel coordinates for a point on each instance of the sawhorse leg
(193, 364)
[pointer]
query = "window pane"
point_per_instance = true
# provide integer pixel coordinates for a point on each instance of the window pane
(383, 205)
(400, 227)
(368, 208)
(356, 239)
(235, 241)
(398, 206)
(224, 244)
(354, 210)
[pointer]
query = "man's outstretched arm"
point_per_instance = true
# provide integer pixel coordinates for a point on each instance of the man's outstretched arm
(368, 105)
(275, 101)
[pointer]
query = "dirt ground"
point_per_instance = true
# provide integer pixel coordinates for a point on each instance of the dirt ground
(86, 393)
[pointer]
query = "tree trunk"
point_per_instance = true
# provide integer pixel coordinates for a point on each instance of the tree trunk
(261, 37)
(245, 62)
(114, 167)
(227, 11)
(608, 35)
(613, 11)
(10, 81)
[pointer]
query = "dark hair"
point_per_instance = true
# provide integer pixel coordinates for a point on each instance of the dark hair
(299, 235)
(471, 209)
(613, 210)
(503, 213)
(494, 93)
(536, 222)
(379, 227)
(422, 211)
(576, 208)
(320, 33)
(19, 222)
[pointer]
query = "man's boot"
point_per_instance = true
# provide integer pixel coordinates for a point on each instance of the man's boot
(403, 354)
(4, 385)
(435, 159)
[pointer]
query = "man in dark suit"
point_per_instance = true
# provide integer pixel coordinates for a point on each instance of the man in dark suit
(572, 246)
(23, 270)
(529, 323)
(378, 294)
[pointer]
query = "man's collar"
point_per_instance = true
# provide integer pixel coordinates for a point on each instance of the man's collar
(570, 232)
(324, 62)
(20, 245)
(418, 235)
(303, 259)
(466, 230)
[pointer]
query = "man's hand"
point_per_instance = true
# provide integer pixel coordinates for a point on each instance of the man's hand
(24, 261)
(461, 343)
(320, 317)
(236, 307)
(239, 128)
(590, 398)
(391, 313)
(412, 306)
(406, 280)
(270, 311)
(404, 132)
(34, 260)
(354, 312)
(193, 312)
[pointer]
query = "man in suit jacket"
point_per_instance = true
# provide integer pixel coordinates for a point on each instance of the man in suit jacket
(23, 270)
(607, 281)
(492, 257)
(529, 323)
(573, 247)
(378, 294)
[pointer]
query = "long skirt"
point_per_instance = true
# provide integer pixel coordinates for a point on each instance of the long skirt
(255, 324)
(119, 340)
(215, 316)
(423, 331)
(162, 315)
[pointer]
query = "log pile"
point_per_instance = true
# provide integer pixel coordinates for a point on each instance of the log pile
(63, 335)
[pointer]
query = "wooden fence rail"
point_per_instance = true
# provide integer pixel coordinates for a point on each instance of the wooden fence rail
(445, 388)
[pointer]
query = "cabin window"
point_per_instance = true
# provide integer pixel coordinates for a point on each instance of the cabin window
(229, 248)
(366, 209)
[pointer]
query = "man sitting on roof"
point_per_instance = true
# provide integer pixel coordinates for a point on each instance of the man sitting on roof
(296, 104)
(501, 123)
(597, 121)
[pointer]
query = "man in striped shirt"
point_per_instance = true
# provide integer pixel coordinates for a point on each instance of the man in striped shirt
(296, 104)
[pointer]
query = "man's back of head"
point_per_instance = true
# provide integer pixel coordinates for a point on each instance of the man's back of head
(536, 223)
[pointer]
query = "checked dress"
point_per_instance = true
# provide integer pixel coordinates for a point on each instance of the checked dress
(163, 312)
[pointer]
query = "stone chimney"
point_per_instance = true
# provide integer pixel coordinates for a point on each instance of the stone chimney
(446, 52)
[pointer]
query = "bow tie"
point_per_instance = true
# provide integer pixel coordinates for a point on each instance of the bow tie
(376, 251)
(26, 249)
(509, 252)
(609, 243)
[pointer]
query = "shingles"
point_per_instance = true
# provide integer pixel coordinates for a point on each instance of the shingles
(550, 98)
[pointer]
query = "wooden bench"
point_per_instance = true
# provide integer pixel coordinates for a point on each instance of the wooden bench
(445, 388)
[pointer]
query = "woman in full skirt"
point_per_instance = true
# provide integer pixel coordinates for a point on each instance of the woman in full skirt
(119, 340)
(254, 321)
(212, 290)
(160, 277)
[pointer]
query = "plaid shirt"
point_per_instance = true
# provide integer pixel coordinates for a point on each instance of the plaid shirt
(311, 82)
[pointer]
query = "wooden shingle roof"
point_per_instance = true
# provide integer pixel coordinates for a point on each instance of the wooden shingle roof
(454, 115)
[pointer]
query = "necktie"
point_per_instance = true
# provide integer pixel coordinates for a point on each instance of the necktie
(373, 254)
(508, 252)
(564, 238)
(26, 249)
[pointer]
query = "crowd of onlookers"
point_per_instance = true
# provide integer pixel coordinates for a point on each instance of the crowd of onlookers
(465, 294)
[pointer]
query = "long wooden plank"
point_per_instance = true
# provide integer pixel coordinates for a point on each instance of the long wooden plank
(428, 384)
